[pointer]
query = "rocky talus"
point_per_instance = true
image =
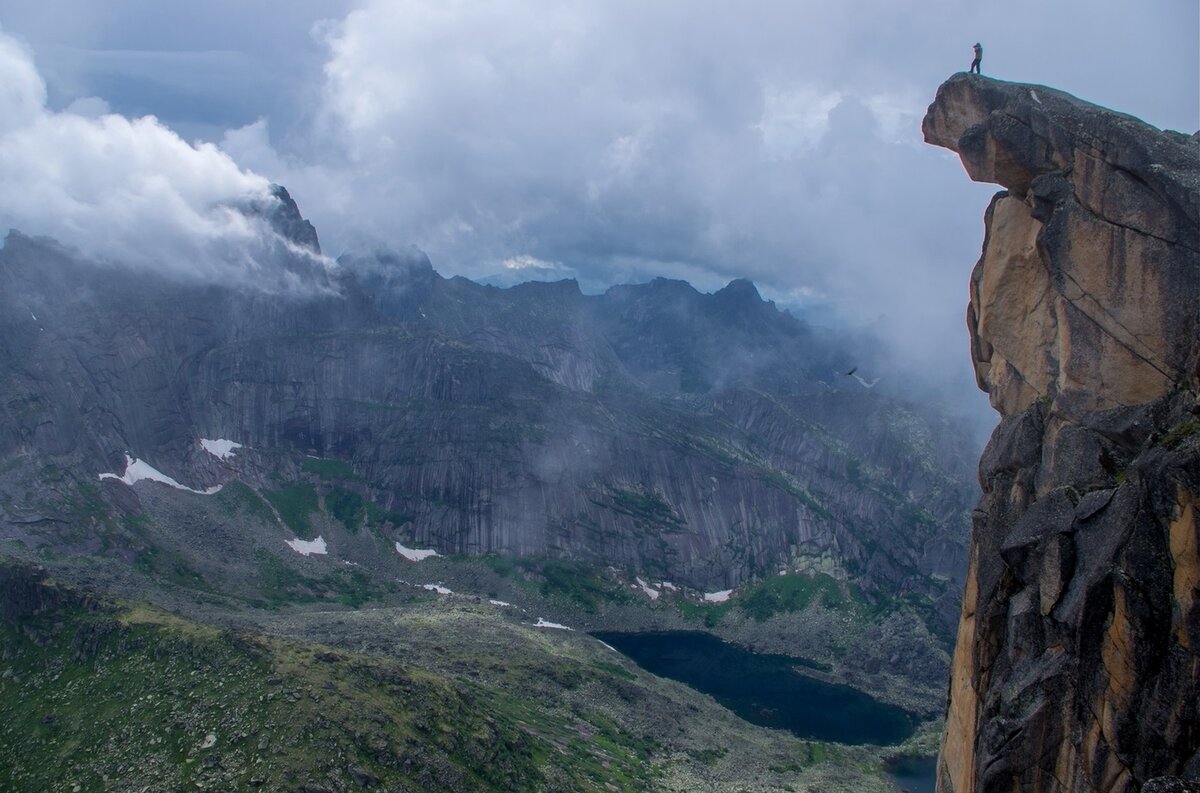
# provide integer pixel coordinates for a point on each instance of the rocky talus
(1078, 656)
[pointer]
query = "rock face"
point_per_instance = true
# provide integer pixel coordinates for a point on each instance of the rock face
(1078, 658)
(701, 439)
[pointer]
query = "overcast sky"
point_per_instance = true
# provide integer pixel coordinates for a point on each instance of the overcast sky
(609, 140)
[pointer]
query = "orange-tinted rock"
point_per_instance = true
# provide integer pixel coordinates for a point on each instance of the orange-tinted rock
(1077, 667)
(1089, 283)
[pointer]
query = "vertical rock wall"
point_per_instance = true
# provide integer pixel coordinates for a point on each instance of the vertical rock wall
(1077, 666)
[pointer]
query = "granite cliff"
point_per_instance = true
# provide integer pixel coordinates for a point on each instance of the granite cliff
(706, 440)
(1077, 665)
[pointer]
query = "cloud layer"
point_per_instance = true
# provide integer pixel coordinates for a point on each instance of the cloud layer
(613, 140)
(128, 191)
(621, 141)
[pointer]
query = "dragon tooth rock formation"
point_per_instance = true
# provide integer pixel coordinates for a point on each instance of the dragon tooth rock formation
(1077, 665)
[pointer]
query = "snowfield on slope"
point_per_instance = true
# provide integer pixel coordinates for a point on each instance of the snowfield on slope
(307, 547)
(220, 448)
(415, 554)
(138, 470)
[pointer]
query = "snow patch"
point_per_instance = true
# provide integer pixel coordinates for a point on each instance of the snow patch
(500, 603)
(717, 597)
(609, 646)
(650, 591)
(308, 547)
(136, 470)
(541, 623)
(441, 590)
(668, 585)
(415, 554)
(220, 448)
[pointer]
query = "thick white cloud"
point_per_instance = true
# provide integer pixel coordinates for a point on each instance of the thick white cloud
(626, 140)
(623, 139)
(126, 191)
(22, 92)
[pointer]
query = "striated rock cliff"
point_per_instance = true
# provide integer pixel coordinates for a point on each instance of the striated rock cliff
(1078, 655)
(688, 437)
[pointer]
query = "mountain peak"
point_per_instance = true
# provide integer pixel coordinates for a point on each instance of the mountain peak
(285, 218)
(741, 289)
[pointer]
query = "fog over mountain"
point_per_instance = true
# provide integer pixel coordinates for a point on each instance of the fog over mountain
(632, 330)
(131, 192)
(607, 142)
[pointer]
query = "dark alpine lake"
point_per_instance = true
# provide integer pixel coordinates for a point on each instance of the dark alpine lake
(913, 774)
(765, 689)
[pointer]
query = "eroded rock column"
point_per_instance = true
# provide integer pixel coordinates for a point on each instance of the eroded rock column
(1077, 662)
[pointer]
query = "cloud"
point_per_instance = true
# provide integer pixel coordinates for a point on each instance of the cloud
(131, 191)
(795, 121)
(526, 262)
(621, 140)
(22, 92)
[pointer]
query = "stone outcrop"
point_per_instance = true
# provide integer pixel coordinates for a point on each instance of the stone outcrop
(1087, 287)
(1078, 651)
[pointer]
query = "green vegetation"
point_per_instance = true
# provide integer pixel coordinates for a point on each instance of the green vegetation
(710, 614)
(575, 582)
(168, 567)
(347, 507)
(106, 695)
(503, 566)
(786, 593)
(277, 584)
(329, 469)
(295, 503)
(645, 506)
(93, 695)
(87, 507)
(708, 756)
(1181, 432)
(238, 498)
(854, 472)
(616, 670)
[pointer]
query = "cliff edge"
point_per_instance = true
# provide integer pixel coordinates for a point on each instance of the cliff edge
(1077, 664)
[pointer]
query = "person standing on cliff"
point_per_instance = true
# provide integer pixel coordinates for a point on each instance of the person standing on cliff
(978, 58)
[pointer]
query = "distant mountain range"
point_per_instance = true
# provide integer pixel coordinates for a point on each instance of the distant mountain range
(705, 439)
